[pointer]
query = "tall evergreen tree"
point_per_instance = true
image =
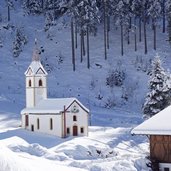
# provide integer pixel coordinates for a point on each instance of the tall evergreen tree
(159, 96)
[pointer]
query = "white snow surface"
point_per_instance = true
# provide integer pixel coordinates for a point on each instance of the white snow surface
(157, 125)
(110, 145)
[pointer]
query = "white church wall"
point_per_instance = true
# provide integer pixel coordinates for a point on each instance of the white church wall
(35, 93)
(82, 119)
(164, 166)
(23, 121)
(44, 124)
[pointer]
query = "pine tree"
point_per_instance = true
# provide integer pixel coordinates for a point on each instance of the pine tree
(19, 41)
(159, 96)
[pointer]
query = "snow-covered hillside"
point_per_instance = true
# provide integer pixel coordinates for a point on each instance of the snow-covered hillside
(109, 145)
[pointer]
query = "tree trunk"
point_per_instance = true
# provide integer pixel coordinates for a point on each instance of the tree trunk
(108, 29)
(135, 34)
(145, 35)
(130, 23)
(42, 4)
(73, 48)
(122, 52)
(140, 29)
(76, 44)
(28, 3)
(169, 28)
(81, 46)
(88, 52)
(84, 52)
(8, 13)
(154, 30)
(105, 43)
(128, 37)
(164, 19)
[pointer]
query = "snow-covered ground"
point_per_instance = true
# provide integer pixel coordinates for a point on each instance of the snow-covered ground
(105, 148)
(109, 146)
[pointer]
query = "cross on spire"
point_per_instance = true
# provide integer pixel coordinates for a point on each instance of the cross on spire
(36, 52)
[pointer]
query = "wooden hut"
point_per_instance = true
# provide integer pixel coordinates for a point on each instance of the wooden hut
(158, 129)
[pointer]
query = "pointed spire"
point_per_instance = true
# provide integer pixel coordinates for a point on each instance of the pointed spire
(36, 52)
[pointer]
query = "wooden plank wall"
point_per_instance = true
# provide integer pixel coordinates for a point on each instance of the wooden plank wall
(160, 148)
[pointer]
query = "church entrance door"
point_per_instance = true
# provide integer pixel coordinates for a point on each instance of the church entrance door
(75, 131)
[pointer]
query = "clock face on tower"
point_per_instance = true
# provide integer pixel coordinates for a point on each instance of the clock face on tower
(74, 109)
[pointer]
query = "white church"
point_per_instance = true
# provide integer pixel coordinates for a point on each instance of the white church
(62, 117)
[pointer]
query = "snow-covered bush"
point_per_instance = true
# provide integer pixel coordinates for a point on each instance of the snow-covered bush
(33, 6)
(159, 96)
(60, 58)
(49, 20)
(93, 82)
(115, 78)
(19, 41)
(110, 102)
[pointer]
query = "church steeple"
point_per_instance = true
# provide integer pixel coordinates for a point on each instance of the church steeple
(36, 52)
(36, 86)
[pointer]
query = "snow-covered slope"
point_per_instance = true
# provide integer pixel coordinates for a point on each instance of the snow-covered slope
(109, 145)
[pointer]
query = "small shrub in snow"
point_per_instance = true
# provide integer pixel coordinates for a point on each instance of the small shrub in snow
(115, 78)
(93, 83)
(110, 102)
(60, 58)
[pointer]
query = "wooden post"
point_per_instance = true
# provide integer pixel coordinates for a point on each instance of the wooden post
(64, 121)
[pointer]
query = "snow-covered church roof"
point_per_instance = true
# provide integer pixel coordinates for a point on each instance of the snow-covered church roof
(159, 124)
(53, 106)
(35, 68)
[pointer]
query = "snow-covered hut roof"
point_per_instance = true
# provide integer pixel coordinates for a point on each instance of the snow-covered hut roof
(53, 106)
(159, 124)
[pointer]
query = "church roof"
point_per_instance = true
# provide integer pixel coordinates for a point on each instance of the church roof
(35, 68)
(159, 124)
(53, 106)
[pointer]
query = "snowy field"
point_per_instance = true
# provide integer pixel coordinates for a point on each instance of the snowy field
(109, 146)
(105, 148)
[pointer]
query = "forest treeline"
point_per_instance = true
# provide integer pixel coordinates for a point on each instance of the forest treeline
(131, 16)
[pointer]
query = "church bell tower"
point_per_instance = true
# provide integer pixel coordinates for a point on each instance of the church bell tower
(36, 84)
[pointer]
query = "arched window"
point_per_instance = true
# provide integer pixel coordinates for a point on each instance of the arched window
(38, 123)
(74, 118)
(40, 83)
(51, 124)
(29, 83)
